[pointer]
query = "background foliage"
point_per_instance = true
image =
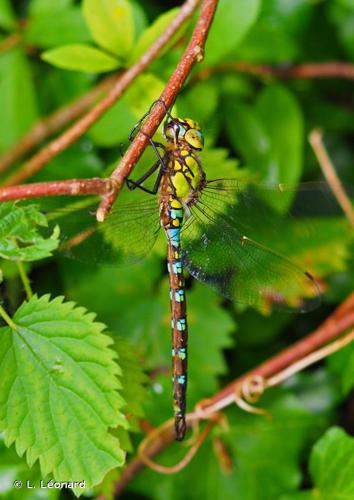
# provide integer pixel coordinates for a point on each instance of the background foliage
(66, 387)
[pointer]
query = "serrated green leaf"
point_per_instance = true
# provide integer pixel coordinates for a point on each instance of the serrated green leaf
(60, 391)
(52, 28)
(133, 377)
(18, 101)
(153, 32)
(120, 288)
(332, 465)
(134, 393)
(112, 24)
(20, 238)
(233, 19)
(80, 57)
(7, 16)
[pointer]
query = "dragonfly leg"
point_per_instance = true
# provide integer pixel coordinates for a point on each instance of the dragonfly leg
(156, 145)
(139, 124)
(138, 183)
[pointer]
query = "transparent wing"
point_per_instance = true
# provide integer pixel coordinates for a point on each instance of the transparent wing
(220, 242)
(126, 236)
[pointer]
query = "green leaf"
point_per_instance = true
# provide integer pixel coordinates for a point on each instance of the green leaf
(341, 13)
(17, 97)
(277, 35)
(114, 126)
(112, 24)
(153, 32)
(207, 361)
(134, 392)
(332, 465)
(7, 16)
(233, 19)
(267, 43)
(218, 164)
(60, 392)
(249, 136)
(344, 358)
(146, 89)
(282, 119)
(140, 19)
(293, 16)
(80, 57)
(19, 235)
(270, 136)
(39, 7)
(200, 101)
(120, 287)
(64, 26)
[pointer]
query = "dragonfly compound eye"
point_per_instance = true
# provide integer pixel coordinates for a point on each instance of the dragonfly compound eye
(174, 130)
(194, 138)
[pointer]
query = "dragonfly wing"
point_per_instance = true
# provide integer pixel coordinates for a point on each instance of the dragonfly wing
(126, 236)
(218, 250)
(257, 210)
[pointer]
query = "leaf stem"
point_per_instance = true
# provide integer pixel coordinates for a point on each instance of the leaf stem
(24, 278)
(330, 173)
(7, 318)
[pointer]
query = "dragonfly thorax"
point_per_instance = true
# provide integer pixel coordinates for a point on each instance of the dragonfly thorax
(179, 131)
(185, 175)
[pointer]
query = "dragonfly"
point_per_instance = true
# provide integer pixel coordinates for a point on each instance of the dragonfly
(209, 228)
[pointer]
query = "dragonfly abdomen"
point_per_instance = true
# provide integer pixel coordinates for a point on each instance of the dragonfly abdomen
(172, 219)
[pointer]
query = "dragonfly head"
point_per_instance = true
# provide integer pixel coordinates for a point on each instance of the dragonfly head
(186, 130)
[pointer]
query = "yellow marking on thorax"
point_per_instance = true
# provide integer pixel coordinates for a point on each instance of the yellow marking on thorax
(186, 175)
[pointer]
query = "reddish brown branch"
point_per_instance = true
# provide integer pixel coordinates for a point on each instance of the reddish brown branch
(192, 54)
(339, 321)
(71, 135)
(333, 69)
(72, 187)
(56, 121)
